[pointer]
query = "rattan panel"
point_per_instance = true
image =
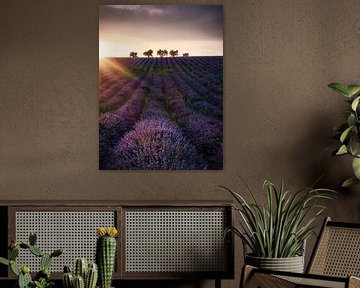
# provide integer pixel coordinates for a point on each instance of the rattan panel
(313, 282)
(175, 241)
(338, 253)
(75, 231)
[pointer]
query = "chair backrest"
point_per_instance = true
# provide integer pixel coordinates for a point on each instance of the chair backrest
(337, 251)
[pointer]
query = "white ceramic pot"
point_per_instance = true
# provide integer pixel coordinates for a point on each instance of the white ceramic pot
(291, 264)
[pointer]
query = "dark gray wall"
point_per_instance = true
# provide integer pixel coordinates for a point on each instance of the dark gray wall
(279, 57)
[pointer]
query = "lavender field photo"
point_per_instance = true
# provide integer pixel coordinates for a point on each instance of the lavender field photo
(161, 87)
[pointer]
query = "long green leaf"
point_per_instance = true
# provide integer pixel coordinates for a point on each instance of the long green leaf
(340, 88)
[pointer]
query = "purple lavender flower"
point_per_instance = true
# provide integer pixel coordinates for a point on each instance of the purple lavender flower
(205, 133)
(156, 145)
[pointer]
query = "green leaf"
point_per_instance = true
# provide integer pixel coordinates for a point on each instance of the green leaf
(4, 261)
(356, 167)
(354, 145)
(353, 89)
(340, 88)
(355, 103)
(351, 120)
(349, 182)
(345, 134)
(342, 150)
(14, 268)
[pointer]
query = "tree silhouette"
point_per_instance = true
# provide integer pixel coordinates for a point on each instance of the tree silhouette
(162, 53)
(133, 54)
(185, 54)
(148, 53)
(174, 53)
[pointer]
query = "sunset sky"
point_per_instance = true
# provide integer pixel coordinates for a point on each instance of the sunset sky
(195, 29)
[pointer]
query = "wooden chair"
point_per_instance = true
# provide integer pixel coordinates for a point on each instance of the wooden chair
(335, 262)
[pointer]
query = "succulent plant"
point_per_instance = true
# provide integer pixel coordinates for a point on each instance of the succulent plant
(106, 254)
(91, 276)
(79, 282)
(85, 275)
(42, 278)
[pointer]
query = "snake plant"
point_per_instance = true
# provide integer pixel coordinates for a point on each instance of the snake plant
(348, 132)
(279, 228)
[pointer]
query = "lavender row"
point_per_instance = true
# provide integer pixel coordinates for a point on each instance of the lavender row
(113, 125)
(156, 144)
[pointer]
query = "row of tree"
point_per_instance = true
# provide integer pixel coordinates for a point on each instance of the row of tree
(161, 53)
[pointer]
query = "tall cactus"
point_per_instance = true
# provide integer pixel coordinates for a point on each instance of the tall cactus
(106, 254)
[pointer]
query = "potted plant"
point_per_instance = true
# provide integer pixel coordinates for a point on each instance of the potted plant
(42, 278)
(276, 233)
(348, 132)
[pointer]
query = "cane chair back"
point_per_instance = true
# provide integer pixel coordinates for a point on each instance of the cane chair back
(335, 262)
(337, 252)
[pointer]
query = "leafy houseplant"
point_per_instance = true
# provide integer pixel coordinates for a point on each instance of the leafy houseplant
(279, 229)
(349, 132)
(42, 278)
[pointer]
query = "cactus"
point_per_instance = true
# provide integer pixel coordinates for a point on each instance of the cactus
(13, 253)
(14, 268)
(24, 280)
(80, 268)
(42, 278)
(32, 238)
(44, 273)
(4, 261)
(88, 273)
(68, 280)
(57, 252)
(36, 251)
(45, 261)
(105, 254)
(79, 282)
(91, 276)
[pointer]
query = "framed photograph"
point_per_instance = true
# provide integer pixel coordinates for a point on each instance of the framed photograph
(161, 87)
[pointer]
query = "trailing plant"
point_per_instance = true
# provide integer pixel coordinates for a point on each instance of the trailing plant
(106, 254)
(279, 229)
(348, 132)
(85, 275)
(42, 278)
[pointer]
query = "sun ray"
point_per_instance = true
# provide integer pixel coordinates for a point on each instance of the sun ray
(111, 65)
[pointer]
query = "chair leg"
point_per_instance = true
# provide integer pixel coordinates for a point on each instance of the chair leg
(246, 273)
(217, 283)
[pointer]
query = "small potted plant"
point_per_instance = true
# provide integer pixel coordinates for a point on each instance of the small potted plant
(348, 132)
(276, 233)
(42, 278)
(84, 274)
